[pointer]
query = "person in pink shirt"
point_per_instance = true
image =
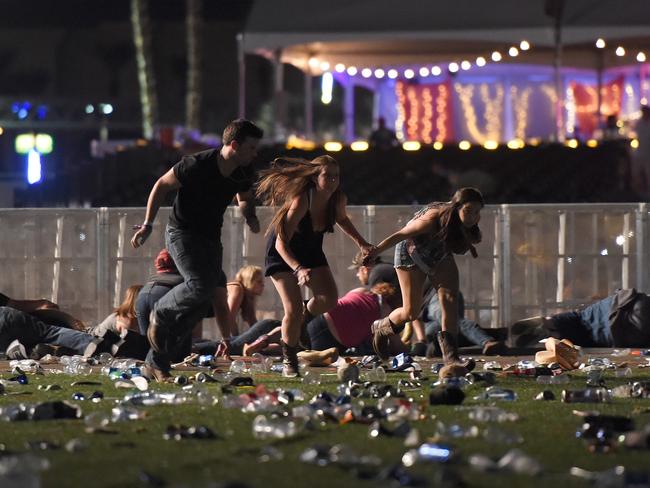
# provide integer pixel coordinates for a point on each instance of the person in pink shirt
(347, 325)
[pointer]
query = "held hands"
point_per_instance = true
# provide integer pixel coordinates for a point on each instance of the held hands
(302, 275)
(370, 254)
(143, 232)
(253, 224)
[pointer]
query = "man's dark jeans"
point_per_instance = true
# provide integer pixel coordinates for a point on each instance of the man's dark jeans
(30, 331)
(198, 259)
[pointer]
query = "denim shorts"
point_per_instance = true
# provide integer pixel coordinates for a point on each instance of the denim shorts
(406, 260)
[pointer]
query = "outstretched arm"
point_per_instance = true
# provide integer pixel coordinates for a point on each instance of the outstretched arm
(414, 227)
(166, 183)
(246, 202)
(346, 225)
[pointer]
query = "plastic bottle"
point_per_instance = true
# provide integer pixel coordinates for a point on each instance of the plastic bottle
(497, 393)
(559, 379)
(589, 395)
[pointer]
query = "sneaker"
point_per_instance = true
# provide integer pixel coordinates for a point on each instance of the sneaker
(156, 335)
(42, 350)
(155, 374)
(16, 350)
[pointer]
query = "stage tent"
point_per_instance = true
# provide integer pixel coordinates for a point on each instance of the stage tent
(405, 53)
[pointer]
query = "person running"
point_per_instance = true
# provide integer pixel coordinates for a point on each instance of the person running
(425, 247)
(206, 182)
(310, 202)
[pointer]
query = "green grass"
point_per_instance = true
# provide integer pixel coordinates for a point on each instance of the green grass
(116, 460)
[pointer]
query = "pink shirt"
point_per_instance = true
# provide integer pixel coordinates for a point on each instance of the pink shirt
(353, 315)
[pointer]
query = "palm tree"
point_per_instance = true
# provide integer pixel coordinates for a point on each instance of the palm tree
(194, 29)
(144, 59)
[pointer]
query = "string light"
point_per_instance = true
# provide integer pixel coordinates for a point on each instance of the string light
(409, 73)
(339, 68)
(379, 73)
(464, 145)
(600, 43)
(496, 56)
(436, 71)
(427, 125)
(392, 74)
(424, 71)
(438, 145)
(366, 72)
(524, 45)
(453, 67)
(513, 52)
(620, 51)
(324, 66)
(465, 65)
(414, 116)
(442, 102)
(480, 61)
(401, 113)
(521, 110)
(641, 57)
(352, 70)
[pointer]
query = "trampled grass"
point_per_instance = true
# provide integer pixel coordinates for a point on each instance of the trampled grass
(120, 458)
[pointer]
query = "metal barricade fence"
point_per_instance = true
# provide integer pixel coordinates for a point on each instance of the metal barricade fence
(533, 260)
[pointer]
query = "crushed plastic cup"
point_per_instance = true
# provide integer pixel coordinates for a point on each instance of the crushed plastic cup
(123, 414)
(97, 420)
(311, 378)
(491, 414)
(376, 374)
(482, 463)
(105, 358)
(267, 427)
(428, 452)
(258, 363)
(238, 366)
(519, 462)
(496, 435)
(560, 379)
(497, 393)
(456, 431)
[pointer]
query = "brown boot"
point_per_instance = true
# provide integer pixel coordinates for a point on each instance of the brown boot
(449, 347)
(381, 330)
(289, 361)
(155, 374)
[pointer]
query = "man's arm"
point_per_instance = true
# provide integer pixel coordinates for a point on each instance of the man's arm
(166, 183)
(246, 202)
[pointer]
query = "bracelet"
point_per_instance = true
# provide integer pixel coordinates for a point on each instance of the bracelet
(148, 224)
(298, 268)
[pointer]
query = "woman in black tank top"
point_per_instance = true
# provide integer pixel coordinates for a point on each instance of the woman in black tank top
(310, 202)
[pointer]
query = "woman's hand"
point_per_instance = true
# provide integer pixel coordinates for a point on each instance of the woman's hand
(302, 275)
(370, 254)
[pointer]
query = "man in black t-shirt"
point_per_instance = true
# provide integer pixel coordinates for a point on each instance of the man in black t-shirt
(206, 182)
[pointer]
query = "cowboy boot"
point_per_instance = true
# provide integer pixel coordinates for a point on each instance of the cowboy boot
(449, 347)
(289, 361)
(381, 330)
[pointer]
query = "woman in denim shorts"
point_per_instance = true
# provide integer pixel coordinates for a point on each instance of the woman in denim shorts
(425, 246)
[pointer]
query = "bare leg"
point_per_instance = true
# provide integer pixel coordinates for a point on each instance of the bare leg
(289, 291)
(323, 286)
(446, 281)
(411, 281)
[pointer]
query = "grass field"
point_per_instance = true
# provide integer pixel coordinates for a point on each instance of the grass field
(120, 458)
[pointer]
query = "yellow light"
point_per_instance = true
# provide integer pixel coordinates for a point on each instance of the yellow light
(491, 145)
(409, 73)
(438, 145)
(411, 146)
(513, 51)
(313, 63)
(524, 45)
(480, 61)
(299, 143)
(392, 74)
(592, 143)
(453, 67)
(620, 51)
(340, 68)
(333, 146)
(634, 143)
(641, 57)
(24, 143)
(572, 143)
(1, 131)
(366, 72)
(359, 146)
(464, 145)
(141, 142)
(515, 144)
(435, 71)
(465, 65)
(600, 43)
(352, 70)
(424, 71)
(619, 124)
(496, 56)
(534, 141)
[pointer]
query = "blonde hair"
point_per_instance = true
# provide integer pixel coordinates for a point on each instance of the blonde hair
(127, 307)
(286, 179)
(247, 274)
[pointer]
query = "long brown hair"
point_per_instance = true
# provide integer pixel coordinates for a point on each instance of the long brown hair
(127, 307)
(451, 231)
(286, 179)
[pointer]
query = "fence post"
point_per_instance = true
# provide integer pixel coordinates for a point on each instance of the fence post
(103, 278)
(641, 219)
(505, 289)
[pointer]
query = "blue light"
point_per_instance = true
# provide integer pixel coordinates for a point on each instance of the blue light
(15, 107)
(33, 167)
(22, 114)
(41, 112)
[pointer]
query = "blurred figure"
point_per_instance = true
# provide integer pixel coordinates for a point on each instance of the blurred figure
(641, 155)
(382, 137)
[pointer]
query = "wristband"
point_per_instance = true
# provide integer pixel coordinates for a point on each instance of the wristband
(148, 224)
(298, 268)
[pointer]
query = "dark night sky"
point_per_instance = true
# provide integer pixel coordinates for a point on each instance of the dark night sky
(83, 13)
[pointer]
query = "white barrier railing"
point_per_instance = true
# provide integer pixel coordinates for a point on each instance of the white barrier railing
(534, 259)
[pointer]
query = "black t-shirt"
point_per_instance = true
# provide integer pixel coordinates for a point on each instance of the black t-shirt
(4, 299)
(205, 193)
